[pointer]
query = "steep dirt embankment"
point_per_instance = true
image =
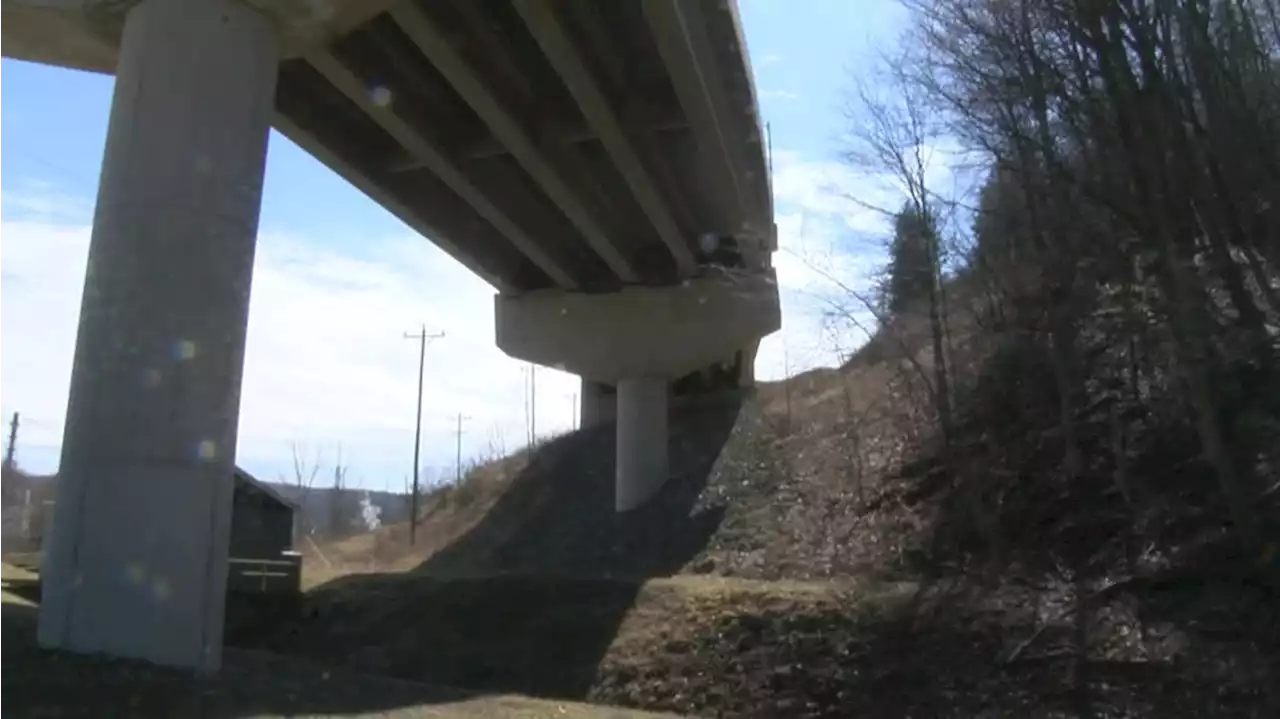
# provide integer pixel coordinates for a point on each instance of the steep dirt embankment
(763, 578)
(746, 498)
(814, 554)
(785, 481)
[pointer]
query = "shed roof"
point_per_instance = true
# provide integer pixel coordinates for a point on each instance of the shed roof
(242, 476)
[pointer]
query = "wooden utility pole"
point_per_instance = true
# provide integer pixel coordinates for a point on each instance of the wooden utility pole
(533, 404)
(530, 405)
(12, 449)
(786, 379)
(7, 467)
(768, 142)
(422, 338)
(458, 448)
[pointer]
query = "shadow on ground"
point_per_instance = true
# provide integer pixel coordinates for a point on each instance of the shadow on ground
(39, 682)
(43, 683)
(531, 598)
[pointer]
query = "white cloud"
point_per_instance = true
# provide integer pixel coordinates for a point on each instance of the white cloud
(780, 94)
(833, 220)
(768, 59)
(327, 361)
(42, 201)
(830, 235)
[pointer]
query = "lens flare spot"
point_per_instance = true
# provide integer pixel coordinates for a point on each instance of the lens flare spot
(160, 587)
(135, 573)
(708, 242)
(184, 350)
(151, 378)
(380, 96)
(207, 449)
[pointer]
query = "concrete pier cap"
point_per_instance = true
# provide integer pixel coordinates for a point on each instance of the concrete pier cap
(640, 331)
(640, 339)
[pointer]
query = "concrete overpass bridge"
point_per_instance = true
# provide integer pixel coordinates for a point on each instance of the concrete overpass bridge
(601, 164)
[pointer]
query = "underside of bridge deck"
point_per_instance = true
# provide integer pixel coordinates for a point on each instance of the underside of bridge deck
(579, 145)
(599, 163)
(543, 143)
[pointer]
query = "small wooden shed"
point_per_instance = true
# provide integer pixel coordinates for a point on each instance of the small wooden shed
(262, 521)
(262, 557)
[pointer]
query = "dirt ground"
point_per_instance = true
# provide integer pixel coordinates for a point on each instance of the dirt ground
(732, 647)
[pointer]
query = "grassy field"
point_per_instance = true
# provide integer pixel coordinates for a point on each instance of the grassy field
(41, 683)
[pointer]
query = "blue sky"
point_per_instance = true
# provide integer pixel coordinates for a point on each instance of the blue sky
(338, 280)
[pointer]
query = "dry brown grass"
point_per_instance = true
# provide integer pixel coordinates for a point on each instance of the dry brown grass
(829, 435)
(447, 513)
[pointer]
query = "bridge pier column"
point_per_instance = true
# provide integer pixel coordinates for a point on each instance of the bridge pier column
(747, 366)
(596, 406)
(137, 561)
(642, 440)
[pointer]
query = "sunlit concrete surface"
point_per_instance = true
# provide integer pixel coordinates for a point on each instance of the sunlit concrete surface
(642, 440)
(640, 331)
(136, 564)
(601, 165)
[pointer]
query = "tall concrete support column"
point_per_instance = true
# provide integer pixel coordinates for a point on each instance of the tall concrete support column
(596, 406)
(642, 440)
(137, 560)
(747, 368)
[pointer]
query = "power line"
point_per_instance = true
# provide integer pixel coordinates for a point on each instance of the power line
(423, 338)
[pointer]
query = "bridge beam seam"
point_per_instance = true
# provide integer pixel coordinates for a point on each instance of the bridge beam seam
(307, 141)
(435, 45)
(679, 31)
(561, 134)
(545, 26)
(346, 82)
